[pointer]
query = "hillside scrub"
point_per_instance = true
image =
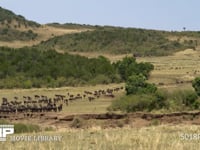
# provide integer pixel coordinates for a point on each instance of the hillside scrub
(32, 67)
(7, 16)
(117, 40)
(13, 34)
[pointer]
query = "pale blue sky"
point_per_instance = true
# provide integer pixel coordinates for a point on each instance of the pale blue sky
(150, 14)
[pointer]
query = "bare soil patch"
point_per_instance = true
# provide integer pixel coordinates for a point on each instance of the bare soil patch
(105, 120)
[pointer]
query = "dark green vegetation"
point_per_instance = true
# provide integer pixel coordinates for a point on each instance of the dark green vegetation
(72, 26)
(136, 84)
(117, 40)
(196, 85)
(144, 96)
(160, 100)
(30, 67)
(6, 17)
(10, 25)
(128, 66)
(13, 34)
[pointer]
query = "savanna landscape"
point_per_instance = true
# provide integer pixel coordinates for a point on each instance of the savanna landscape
(99, 87)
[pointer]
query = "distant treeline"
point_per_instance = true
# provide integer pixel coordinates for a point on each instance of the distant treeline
(72, 26)
(118, 40)
(31, 67)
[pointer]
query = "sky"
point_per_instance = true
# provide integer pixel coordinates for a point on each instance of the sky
(149, 14)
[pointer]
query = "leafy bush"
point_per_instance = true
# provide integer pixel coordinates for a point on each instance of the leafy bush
(128, 67)
(137, 84)
(183, 99)
(196, 85)
(132, 103)
(196, 104)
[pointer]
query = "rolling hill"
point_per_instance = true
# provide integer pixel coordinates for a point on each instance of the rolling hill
(16, 31)
(16, 27)
(116, 40)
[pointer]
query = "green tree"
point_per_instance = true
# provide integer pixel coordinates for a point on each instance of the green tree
(137, 84)
(128, 66)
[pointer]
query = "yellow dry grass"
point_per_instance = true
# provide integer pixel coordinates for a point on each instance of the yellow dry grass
(180, 67)
(44, 33)
(163, 137)
(77, 107)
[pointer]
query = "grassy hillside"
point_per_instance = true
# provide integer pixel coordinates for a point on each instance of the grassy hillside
(100, 39)
(13, 34)
(16, 27)
(17, 32)
(117, 40)
(7, 16)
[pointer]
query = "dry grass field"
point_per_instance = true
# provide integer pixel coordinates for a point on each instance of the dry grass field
(77, 107)
(171, 72)
(180, 67)
(162, 137)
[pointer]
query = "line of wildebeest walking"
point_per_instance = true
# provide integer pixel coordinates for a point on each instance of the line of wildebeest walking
(41, 103)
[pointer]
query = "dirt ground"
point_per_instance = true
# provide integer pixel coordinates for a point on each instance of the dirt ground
(61, 121)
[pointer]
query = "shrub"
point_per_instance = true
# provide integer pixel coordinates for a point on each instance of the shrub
(176, 101)
(132, 103)
(161, 100)
(190, 98)
(137, 84)
(196, 85)
(196, 104)
(128, 67)
(77, 122)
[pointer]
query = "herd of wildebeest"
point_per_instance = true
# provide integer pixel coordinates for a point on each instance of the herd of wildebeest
(41, 103)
